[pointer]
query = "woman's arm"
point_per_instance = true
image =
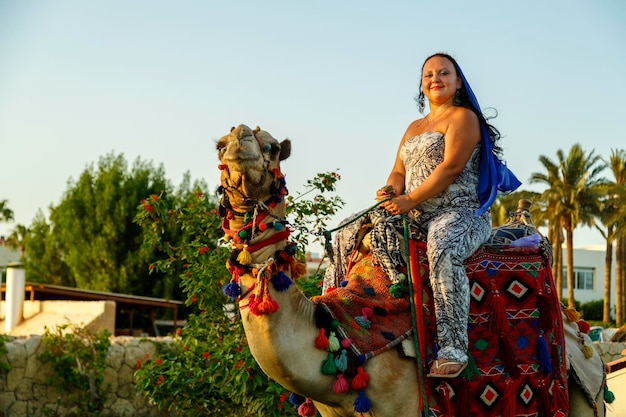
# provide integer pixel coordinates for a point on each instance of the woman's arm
(462, 134)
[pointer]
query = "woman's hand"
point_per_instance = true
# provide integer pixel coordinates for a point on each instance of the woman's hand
(385, 192)
(399, 205)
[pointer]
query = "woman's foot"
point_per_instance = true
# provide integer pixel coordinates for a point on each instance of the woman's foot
(445, 368)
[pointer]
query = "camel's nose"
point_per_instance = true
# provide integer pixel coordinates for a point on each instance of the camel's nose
(242, 131)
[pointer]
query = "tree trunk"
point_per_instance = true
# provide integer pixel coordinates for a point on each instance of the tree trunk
(557, 265)
(619, 282)
(608, 264)
(569, 245)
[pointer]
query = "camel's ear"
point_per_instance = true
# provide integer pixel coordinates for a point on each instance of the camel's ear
(285, 150)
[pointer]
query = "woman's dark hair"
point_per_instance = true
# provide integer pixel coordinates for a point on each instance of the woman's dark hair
(464, 101)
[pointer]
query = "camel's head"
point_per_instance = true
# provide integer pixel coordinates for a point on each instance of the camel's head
(250, 164)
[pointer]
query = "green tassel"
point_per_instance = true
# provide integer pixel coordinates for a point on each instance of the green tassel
(328, 366)
(609, 397)
(398, 290)
(471, 370)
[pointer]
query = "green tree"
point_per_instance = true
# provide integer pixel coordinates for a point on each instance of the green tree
(44, 262)
(92, 240)
(6, 214)
(572, 197)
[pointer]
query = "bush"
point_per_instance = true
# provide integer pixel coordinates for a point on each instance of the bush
(593, 310)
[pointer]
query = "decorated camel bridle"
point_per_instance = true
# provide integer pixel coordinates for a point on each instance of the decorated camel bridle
(259, 220)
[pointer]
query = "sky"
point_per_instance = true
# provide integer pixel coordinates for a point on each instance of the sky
(162, 81)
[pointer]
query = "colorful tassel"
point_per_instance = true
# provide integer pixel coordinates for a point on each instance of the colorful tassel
(359, 382)
(333, 343)
(346, 343)
(362, 403)
(296, 399)
(499, 323)
(244, 257)
(462, 403)
(548, 309)
(571, 314)
(445, 400)
(328, 365)
(471, 370)
(281, 281)
(341, 361)
(398, 290)
(321, 341)
(587, 351)
(341, 386)
(560, 399)
(508, 356)
(543, 400)
(364, 320)
(508, 399)
(583, 326)
(232, 290)
(609, 397)
(545, 362)
(267, 306)
(307, 409)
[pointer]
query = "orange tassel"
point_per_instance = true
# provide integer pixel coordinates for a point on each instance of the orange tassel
(571, 314)
(360, 380)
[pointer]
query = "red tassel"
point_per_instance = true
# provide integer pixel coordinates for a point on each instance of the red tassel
(222, 167)
(543, 400)
(360, 380)
(307, 409)
(341, 385)
(508, 399)
(444, 400)
(253, 303)
(499, 323)
(462, 399)
(508, 356)
(546, 304)
(321, 341)
(560, 398)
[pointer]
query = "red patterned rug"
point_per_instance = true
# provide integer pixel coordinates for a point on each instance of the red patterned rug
(515, 332)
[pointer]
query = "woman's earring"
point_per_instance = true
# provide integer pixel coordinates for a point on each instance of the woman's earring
(457, 98)
(421, 105)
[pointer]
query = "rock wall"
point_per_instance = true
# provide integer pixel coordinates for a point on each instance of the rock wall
(24, 391)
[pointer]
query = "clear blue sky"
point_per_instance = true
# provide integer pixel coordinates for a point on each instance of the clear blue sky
(161, 80)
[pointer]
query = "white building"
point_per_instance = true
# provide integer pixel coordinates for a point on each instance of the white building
(589, 276)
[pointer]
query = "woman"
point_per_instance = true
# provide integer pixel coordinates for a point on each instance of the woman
(436, 180)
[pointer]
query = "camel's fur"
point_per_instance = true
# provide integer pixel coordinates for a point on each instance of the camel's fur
(282, 342)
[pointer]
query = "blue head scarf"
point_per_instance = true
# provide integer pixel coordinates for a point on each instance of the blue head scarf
(493, 175)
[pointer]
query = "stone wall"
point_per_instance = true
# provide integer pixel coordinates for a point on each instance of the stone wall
(25, 393)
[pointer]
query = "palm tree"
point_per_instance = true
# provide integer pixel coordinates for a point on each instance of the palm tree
(572, 198)
(6, 214)
(612, 217)
(16, 239)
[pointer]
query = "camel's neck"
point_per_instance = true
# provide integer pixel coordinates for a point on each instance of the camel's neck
(278, 318)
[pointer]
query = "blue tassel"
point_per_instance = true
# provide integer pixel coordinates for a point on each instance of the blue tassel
(296, 399)
(343, 283)
(341, 361)
(362, 403)
(281, 281)
(232, 290)
(545, 363)
(361, 359)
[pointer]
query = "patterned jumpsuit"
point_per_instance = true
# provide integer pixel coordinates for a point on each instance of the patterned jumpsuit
(454, 233)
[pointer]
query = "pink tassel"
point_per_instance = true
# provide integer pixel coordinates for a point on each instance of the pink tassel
(360, 380)
(307, 409)
(321, 341)
(341, 385)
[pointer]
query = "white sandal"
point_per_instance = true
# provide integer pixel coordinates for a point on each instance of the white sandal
(439, 365)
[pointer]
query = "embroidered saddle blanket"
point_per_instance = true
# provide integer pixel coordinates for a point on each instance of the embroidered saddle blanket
(515, 331)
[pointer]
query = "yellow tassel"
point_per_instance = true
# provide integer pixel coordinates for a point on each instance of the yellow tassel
(226, 238)
(571, 314)
(300, 270)
(244, 257)
(587, 351)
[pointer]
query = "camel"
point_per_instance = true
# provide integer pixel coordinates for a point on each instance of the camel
(280, 324)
